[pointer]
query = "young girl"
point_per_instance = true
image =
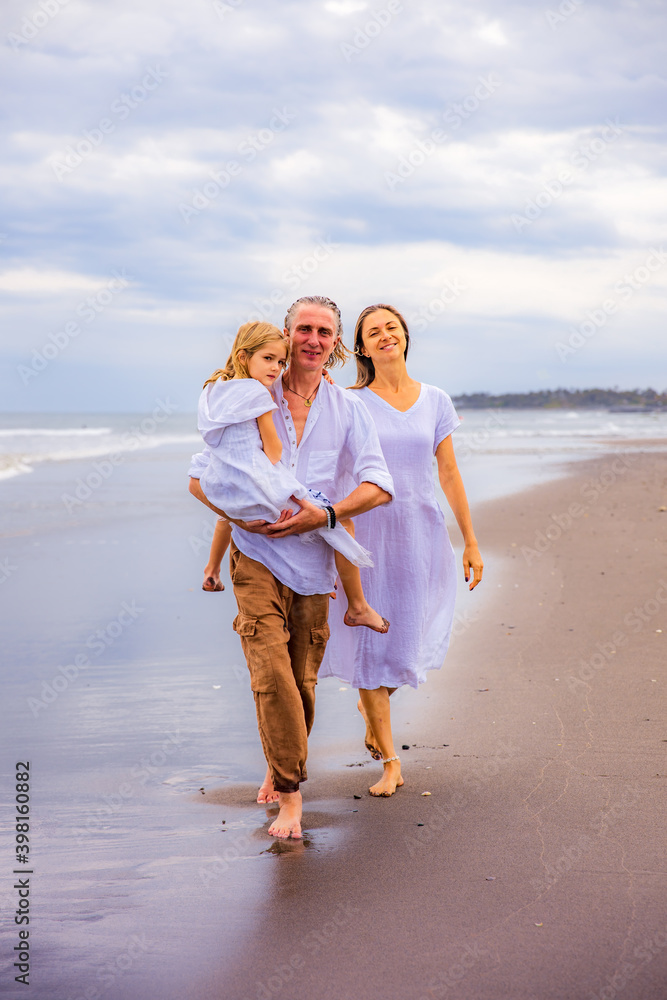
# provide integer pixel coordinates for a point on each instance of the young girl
(240, 470)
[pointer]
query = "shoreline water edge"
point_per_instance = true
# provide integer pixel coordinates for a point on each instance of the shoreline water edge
(531, 869)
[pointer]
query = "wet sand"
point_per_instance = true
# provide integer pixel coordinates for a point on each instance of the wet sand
(534, 869)
(539, 870)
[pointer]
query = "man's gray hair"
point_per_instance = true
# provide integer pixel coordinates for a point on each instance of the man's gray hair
(340, 353)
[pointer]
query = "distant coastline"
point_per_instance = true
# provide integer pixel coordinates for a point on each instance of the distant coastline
(626, 401)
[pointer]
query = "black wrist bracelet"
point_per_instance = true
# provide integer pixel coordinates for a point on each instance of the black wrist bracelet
(331, 517)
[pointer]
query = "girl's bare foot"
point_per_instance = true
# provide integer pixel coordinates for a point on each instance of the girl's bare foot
(364, 614)
(212, 581)
(391, 779)
(266, 792)
(288, 821)
(369, 740)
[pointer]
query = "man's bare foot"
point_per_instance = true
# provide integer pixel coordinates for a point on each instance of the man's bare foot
(288, 821)
(365, 615)
(267, 792)
(391, 780)
(212, 581)
(369, 740)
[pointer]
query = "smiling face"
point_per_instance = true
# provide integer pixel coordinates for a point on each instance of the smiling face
(382, 337)
(312, 338)
(266, 364)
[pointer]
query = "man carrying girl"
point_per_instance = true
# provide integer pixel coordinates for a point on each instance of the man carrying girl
(283, 572)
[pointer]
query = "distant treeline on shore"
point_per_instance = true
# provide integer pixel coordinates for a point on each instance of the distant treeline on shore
(635, 399)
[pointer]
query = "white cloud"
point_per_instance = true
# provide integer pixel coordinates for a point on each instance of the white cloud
(28, 279)
(323, 177)
(492, 32)
(344, 7)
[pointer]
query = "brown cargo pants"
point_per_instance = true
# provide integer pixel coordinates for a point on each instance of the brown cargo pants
(283, 635)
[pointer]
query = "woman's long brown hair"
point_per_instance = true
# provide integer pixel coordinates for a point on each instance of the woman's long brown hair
(365, 367)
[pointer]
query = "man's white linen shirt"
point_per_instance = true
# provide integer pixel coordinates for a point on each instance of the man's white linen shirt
(339, 450)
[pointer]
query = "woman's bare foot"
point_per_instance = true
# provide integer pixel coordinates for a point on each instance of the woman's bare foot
(391, 780)
(212, 581)
(288, 821)
(369, 740)
(266, 791)
(364, 614)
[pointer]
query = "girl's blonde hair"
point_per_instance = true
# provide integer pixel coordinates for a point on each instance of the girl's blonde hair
(250, 338)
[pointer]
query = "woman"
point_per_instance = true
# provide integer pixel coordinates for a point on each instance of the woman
(414, 577)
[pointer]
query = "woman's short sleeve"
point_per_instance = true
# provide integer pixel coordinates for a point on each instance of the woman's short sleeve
(446, 419)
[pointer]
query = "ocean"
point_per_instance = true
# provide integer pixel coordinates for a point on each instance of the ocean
(80, 455)
(125, 689)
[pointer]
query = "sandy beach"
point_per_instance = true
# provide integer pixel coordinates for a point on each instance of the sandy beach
(534, 869)
(536, 866)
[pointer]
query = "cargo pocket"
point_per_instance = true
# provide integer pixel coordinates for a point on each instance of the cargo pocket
(256, 652)
(318, 643)
(320, 634)
(244, 625)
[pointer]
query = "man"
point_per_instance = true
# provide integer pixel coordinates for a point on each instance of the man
(282, 580)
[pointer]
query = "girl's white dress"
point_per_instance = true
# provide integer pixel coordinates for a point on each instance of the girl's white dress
(413, 582)
(235, 473)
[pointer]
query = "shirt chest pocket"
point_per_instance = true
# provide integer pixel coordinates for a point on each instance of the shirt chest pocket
(322, 468)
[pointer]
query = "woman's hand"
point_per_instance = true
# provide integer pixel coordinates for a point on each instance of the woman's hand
(327, 377)
(472, 565)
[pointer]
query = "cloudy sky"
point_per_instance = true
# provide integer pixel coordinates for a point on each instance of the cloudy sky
(169, 170)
